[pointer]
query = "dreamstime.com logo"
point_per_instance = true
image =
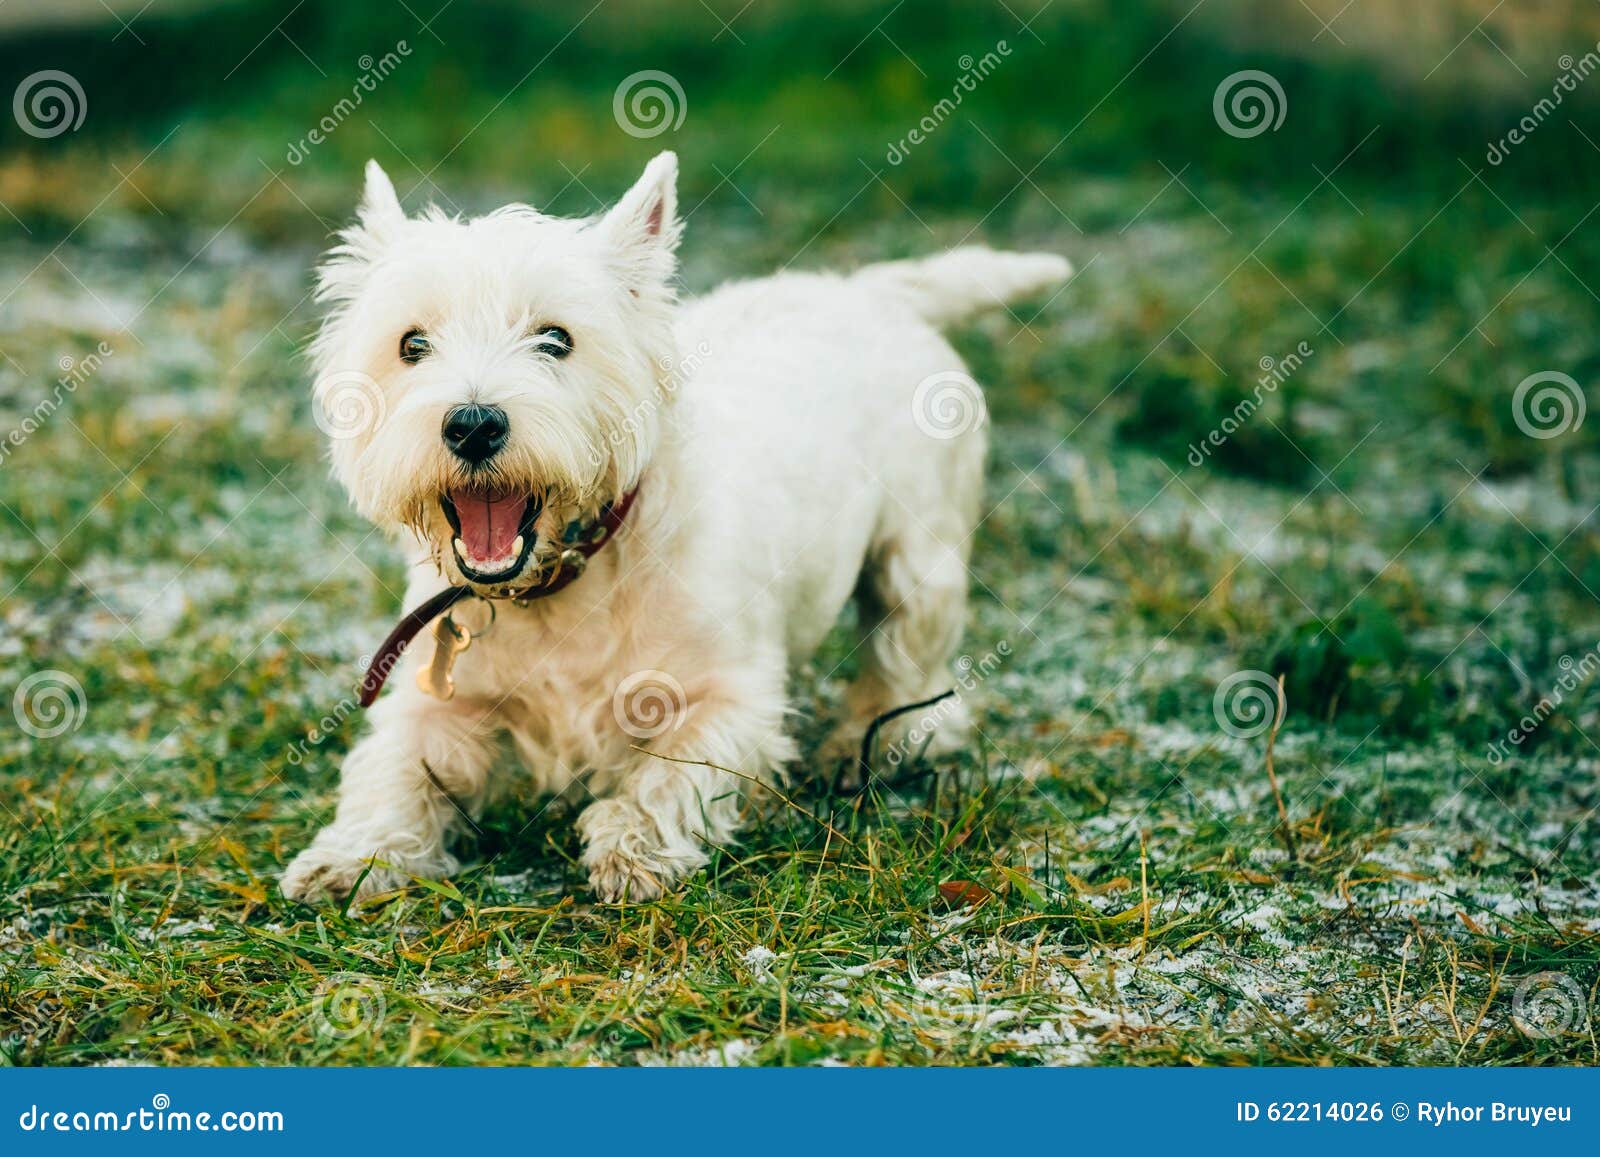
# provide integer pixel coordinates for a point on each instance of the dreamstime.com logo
(1274, 372)
(1548, 404)
(159, 1117)
(328, 725)
(969, 673)
(49, 703)
(1573, 73)
(633, 427)
(1575, 673)
(649, 103)
(74, 373)
(1248, 103)
(1548, 1005)
(373, 73)
(39, 1020)
(973, 73)
(49, 103)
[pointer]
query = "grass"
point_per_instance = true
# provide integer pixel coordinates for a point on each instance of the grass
(1102, 878)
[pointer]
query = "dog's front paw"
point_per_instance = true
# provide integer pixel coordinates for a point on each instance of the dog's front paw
(321, 874)
(616, 878)
(629, 857)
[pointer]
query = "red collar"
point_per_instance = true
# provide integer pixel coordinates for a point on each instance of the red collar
(568, 567)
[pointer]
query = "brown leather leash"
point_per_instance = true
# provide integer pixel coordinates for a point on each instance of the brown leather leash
(574, 559)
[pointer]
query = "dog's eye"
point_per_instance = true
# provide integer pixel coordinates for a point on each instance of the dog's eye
(554, 341)
(414, 346)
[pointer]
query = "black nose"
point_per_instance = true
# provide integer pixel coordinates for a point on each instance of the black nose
(475, 433)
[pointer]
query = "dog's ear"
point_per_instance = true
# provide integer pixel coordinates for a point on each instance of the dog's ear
(380, 209)
(378, 217)
(642, 229)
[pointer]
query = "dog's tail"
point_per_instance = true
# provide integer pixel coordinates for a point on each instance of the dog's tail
(954, 285)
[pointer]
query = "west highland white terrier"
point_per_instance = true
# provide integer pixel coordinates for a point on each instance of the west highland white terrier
(645, 513)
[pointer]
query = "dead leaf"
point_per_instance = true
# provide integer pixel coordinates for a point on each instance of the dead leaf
(963, 893)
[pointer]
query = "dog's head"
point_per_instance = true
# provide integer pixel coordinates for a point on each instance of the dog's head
(485, 381)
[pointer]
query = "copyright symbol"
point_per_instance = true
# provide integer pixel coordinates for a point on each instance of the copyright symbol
(1400, 1110)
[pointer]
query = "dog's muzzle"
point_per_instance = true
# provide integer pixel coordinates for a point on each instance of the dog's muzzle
(586, 542)
(493, 531)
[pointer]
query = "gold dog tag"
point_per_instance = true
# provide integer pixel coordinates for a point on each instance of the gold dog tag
(449, 640)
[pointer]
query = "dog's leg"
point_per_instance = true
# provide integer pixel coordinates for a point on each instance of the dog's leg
(912, 602)
(655, 828)
(403, 792)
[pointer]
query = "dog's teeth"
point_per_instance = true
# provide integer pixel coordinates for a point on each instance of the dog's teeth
(516, 547)
(461, 548)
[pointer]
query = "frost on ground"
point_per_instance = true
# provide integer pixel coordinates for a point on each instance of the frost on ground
(1103, 877)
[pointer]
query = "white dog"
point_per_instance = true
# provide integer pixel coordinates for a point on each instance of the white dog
(793, 443)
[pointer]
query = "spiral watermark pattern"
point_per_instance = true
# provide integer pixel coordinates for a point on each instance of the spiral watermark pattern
(648, 703)
(649, 103)
(349, 1005)
(948, 404)
(1246, 704)
(49, 703)
(1248, 103)
(49, 103)
(350, 404)
(1549, 1004)
(1548, 404)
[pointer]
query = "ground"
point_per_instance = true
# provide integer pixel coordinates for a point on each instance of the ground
(1107, 875)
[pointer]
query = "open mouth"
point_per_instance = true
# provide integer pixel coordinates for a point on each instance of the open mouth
(493, 531)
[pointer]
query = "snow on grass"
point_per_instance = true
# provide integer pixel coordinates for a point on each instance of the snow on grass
(1134, 894)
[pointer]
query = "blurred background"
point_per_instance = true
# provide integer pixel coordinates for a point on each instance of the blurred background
(506, 91)
(501, 86)
(1416, 206)
(1313, 406)
(794, 121)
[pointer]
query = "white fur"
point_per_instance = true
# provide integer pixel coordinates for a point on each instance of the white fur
(782, 470)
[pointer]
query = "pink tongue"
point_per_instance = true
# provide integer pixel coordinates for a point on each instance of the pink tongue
(488, 523)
